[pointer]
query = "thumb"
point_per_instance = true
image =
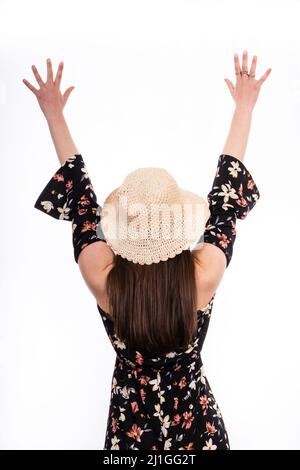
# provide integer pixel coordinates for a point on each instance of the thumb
(68, 92)
(229, 84)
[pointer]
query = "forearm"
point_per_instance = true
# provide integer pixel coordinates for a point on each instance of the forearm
(237, 139)
(61, 138)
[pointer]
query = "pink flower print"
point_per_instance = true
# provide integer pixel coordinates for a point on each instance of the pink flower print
(84, 200)
(58, 177)
(188, 419)
(114, 425)
(88, 226)
(176, 420)
(135, 433)
(240, 190)
(176, 401)
(204, 403)
(224, 242)
(188, 447)
(182, 383)
(134, 407)
(250, 184)
(210, 428)
(242, 202)
(139, 358)
(82, 211)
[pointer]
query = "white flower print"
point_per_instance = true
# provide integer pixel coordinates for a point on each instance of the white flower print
(64, 211)
(168, 444)
(114, 443)
(171, 354)
(192, 385)
(159, 413)
(122, 416)
(47, 206)
(120, 344)
(85, 173)
(125, 392)
(227, 192)
(160, 395)
(155, 382)
(165, 425)
(209, 445)
(233, 171)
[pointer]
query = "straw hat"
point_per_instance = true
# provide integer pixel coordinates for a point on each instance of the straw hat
(150, 219)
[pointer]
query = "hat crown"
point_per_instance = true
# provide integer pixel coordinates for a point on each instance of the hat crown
(149, 185)
(149, 218)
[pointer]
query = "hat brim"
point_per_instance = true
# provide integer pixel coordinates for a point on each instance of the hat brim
(151, 251)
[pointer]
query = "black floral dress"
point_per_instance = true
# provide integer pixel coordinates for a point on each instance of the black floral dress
(160, 402)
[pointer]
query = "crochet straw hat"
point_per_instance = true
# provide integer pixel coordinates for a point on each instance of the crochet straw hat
(150, 219)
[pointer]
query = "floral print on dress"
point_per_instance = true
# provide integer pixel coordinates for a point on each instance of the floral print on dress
(234, 193)
(157, 402)
(163, 402)
(70, 196)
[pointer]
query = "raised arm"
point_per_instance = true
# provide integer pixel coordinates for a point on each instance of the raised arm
(234, 192)
(69, 194)
(52, 103)
(244, 94)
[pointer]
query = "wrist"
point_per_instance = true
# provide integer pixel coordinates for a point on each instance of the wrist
(243, 109)
(54, 117)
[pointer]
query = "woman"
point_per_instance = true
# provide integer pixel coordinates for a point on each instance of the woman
(155, 292)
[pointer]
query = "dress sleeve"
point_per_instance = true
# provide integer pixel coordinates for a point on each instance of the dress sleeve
(69, 195)
(234, 193)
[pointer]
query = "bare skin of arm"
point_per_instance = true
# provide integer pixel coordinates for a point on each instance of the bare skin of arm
(210, 260)
(94, 259)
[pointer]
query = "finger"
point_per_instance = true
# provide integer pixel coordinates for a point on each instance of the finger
(31, 87)
(237, 66)
(245, 62)
(264, 77)
(67, 93)
(253, 65)
(37, 76)
(49, 71)
(229, 84)
(59, 74)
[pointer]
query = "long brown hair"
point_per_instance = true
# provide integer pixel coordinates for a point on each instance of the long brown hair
(154, 306)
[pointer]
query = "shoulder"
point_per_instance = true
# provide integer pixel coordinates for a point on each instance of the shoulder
(95, 261)
(210, 266)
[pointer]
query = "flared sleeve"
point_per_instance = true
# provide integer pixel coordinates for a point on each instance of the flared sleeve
(69, 195)
(233, 195)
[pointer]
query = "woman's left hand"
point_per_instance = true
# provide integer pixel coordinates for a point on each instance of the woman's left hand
(49, 96)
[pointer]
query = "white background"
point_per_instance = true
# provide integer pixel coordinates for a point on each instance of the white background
(149, 91)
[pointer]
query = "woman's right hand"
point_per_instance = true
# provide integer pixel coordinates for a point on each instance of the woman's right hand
(246, 90)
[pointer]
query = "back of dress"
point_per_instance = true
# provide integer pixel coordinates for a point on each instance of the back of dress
(157, 402)
(162, 402)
